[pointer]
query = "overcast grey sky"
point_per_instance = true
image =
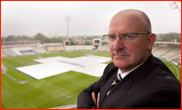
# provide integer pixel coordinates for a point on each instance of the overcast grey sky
(87, 17)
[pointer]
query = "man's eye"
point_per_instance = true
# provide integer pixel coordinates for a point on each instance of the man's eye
(129, 36)
(112, 37)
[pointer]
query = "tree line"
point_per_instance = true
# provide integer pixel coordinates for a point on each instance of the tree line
(169, 37)
(38, 36)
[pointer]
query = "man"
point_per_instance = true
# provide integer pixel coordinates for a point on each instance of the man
(143, 81)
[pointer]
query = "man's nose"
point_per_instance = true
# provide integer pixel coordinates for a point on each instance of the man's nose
(118, 44)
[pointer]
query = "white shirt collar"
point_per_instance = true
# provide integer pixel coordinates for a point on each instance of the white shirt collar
(126, 73)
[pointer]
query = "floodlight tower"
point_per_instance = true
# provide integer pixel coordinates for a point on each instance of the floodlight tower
(67, 19)
(67, 42)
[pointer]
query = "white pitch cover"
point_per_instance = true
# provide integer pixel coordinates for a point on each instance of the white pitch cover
(91, 65)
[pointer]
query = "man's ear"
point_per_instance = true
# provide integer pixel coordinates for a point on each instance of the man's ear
(151, 40)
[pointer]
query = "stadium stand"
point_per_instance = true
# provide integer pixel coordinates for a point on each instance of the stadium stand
(60, 48)
(107, 50)
(161, 52)
(172, 53)
(79, 48)
(177, 56)
(54, 47)
(39, 50)
(20, 43)
(23, 50)
(88, 47)
(99, 47)
(154, 49)
(51, 48)
(9, 52)
(166, 49)
(19, 47)
(69, 48)
(103, 47)
(26, 51)
(3, 54)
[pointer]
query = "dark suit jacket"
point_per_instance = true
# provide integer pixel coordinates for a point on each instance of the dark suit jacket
(152, 85)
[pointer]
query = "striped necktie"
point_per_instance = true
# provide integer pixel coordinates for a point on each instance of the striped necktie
(115, 82)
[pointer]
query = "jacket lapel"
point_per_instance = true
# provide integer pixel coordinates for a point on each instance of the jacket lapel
(111, 75)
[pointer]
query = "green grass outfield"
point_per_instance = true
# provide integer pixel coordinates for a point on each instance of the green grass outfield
(174, 69)
(19, 91)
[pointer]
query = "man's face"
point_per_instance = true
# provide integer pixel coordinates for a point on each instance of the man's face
(127, 55)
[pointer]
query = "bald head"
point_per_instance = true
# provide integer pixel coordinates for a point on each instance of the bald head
(132, 18)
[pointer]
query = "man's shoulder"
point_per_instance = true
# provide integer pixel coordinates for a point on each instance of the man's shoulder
(111, 67)
(161, 68)
(156, 75)
(162, 77)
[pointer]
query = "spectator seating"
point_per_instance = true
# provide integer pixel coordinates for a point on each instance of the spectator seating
(78, 47)
(161, 52)
(103, 47)
(59, 48)
(3, 54)
(8, 52)
(172, 54)
(99, 47)
(39, 50)
(51, 48)
(23, 50)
